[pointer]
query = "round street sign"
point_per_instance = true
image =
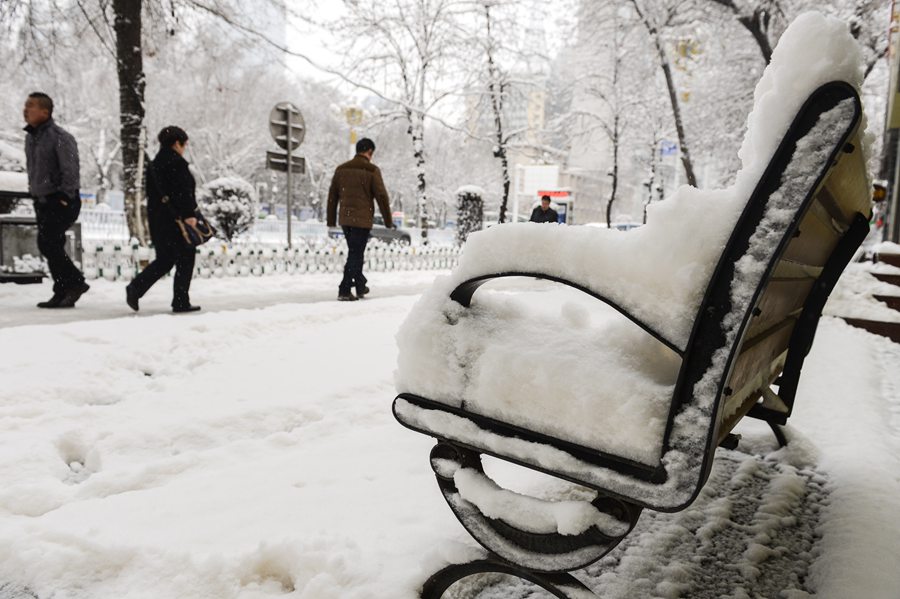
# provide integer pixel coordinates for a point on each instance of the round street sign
(278, 125)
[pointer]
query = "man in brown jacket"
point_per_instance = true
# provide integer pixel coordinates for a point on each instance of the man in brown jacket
(354, 186)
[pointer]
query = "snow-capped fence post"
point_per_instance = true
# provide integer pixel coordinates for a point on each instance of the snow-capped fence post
(799, 213)
(469, 212)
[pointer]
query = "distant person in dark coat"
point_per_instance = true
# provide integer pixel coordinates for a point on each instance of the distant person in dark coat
(356, 186)
(544, 213)
(51, 157)
(170, 194)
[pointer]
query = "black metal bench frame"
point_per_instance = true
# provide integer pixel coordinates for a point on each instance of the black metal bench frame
(707, 337)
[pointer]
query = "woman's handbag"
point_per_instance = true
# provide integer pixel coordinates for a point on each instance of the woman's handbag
(194, 235)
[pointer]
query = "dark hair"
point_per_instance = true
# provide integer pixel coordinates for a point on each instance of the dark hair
(43, 100)
(365, 145)
(169, 135)
(545, 198)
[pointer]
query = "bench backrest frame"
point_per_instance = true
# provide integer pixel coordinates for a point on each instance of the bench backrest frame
(707, 335)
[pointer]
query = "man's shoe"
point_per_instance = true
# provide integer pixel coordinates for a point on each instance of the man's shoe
(131, 298)
(53, 302)
(71, 295)
(361, 293)
(347, 297)
(183, 309)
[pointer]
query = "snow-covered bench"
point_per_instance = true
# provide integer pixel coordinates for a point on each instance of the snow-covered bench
(724, 319)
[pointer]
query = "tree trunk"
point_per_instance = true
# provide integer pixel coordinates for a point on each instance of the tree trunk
(652, 179)
(758, 26)
(495, 87)
(673, 95)
(129, 58)
(615, 172)
(416, 132)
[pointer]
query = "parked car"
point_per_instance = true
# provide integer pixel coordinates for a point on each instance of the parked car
(379, 231)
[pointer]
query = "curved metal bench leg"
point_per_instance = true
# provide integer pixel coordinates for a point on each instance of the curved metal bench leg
(779, 434)
(559, 584)
(540, 552)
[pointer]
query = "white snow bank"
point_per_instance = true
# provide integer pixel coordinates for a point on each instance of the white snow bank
(12, 181)
(854, 295)
(848, 402)
(254, 463)
(557, 375)
(12, 153)
(887, 247)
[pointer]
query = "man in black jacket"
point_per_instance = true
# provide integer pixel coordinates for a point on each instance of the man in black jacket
(170, 195)
(544, 213)
(51, 156)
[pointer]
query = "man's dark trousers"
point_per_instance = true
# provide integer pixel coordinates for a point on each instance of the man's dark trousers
(53, 220)
(357, 238)
(170, 252)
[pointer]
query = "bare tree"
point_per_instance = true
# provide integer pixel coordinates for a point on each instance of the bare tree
(104, 160)
(653, 23)
(607, 85)
(758, 18)
(497, 84)
(130, 68)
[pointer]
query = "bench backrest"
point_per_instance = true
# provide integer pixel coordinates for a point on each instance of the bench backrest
(750, 334)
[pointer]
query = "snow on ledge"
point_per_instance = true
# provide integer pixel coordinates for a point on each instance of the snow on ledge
(12, 181)
(531, 514)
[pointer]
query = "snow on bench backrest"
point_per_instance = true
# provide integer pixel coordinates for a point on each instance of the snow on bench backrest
(659, 273)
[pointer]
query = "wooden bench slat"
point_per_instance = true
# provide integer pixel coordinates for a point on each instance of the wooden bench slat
(788, 269)
(757, 353)
(814, 242)
(756, 391)
(848, 183)
(781, 298)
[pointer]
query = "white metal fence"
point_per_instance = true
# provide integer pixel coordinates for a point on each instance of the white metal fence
(110, 225)
(113, 261)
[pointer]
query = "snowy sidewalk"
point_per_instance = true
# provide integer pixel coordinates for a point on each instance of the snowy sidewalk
(107, 299)
(252, 454)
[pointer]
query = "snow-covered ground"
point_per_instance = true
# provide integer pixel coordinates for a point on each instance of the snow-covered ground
(107, 299)
(249, 451)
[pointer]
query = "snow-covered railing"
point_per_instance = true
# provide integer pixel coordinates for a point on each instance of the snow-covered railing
(104, 224)
(115, 261)
(271, 230)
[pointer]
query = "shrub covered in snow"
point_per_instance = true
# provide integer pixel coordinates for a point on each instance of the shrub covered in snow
(230, 202)
(469, 211)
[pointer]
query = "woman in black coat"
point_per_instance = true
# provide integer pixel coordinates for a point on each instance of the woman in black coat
(169, 178)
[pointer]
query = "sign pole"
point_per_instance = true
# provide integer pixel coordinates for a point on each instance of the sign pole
(283, 126)
(290, 143)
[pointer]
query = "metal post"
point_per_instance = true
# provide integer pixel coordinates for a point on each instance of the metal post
(290, 167)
